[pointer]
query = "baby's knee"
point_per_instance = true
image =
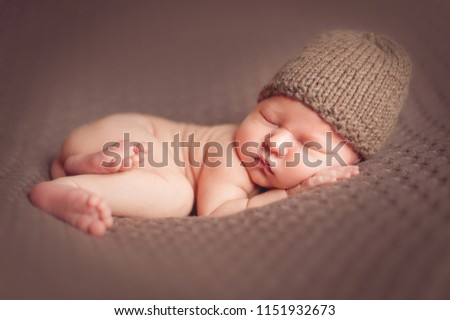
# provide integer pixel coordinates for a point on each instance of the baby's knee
(182, 208)
(68, 146)
(183, 197)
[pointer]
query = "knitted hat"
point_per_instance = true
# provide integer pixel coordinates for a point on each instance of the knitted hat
(356, 81)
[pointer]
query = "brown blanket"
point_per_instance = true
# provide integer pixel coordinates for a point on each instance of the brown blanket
(384, 234)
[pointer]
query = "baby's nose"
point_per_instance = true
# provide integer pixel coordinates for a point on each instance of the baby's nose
(279, 142)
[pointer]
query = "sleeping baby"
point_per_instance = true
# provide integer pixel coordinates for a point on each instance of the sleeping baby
(322, 113)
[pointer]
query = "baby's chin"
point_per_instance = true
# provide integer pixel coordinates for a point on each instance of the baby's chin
(261, 180)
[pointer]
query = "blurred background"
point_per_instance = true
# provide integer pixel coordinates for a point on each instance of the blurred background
(167, 57)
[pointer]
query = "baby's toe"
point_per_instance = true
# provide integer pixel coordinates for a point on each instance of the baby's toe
(142, 147)
(105, 215)
(101, 206)
(97, 228)
(111, 164)
(83, 222)
(108, 221)
(135, 160)
(93, 201)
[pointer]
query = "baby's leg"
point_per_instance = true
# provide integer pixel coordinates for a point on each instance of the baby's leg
(120, 156)
(87, 201)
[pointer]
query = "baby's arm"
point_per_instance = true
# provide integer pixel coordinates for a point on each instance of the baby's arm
(233, 200)
(325, 176)
(226, 190)
(218, 195)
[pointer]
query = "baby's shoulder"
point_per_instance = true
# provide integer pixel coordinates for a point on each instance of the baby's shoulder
(223, 178)
(221, 163)
(223, 133)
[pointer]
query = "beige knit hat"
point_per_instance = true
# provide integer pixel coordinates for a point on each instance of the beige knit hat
(356, 81)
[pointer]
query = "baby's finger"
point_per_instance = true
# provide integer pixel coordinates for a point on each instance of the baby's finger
(345, 171)
(352, 170)
(135, 160)
(318, 180)
(331, 171)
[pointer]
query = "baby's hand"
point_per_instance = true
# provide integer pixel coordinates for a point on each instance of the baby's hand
(325, 176)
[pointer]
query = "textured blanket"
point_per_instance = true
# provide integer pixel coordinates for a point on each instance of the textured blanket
(382, 234)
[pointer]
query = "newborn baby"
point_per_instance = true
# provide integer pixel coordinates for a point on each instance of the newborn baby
(322, 113)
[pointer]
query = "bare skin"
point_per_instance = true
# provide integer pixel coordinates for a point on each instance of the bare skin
(157, 178)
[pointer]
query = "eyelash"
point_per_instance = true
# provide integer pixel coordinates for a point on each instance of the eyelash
(313, 148)
(272, 123)
(303, 142)
(267, 120)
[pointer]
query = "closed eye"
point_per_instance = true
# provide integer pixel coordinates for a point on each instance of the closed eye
(266, 119)
(314, 145)
(313, 148)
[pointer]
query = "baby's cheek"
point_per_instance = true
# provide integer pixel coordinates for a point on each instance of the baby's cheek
(290, 177)
(243, 136)
(303, 170)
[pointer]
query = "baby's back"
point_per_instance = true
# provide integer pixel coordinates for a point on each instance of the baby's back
(173, 147)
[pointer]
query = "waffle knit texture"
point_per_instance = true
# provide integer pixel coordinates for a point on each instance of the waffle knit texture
(356, 81)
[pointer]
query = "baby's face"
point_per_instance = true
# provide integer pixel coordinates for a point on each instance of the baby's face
(283, 142)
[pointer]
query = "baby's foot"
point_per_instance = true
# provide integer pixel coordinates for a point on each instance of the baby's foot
(119, 156)
(80, 208)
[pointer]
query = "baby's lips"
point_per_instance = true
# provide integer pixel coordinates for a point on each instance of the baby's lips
(270, 164)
